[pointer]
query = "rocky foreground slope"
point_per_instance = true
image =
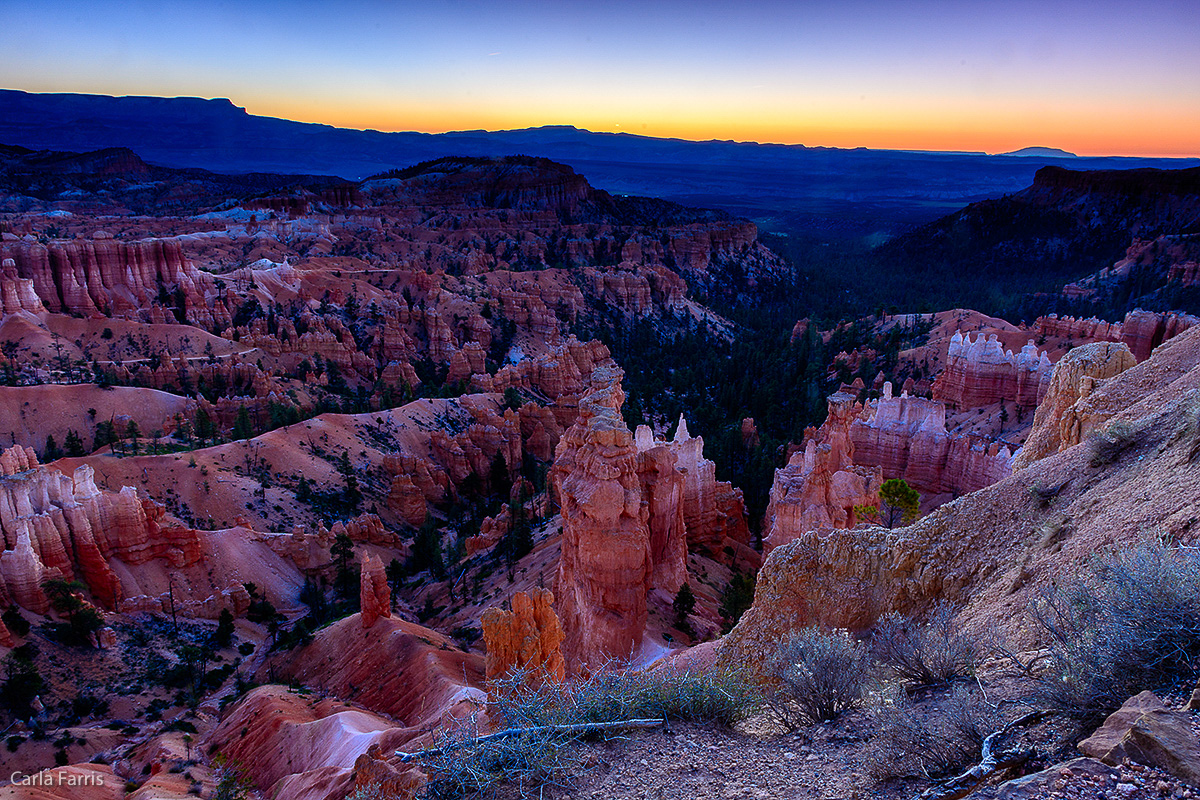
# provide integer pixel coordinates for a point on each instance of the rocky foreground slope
(989, 551)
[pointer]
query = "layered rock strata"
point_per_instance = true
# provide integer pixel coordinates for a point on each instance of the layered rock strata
(59, 526)
(906, 437)
(979, 372)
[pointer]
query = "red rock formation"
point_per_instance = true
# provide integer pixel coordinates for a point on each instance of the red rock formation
(527, 638)
(374, 593)
(6, 637)
(1059, 423)
(980, 372)
(605, 565)
(407, 501)
(59, 526)
(990, 553)
(1141, 330)
(409, 672)
(1079, 330)
(491, 531)
(821, 486)
(907, 438)
(113, 277)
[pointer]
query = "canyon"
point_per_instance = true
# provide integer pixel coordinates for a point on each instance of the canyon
(336, 462)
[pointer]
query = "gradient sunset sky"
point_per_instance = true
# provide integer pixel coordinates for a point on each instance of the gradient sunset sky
(1099, 77)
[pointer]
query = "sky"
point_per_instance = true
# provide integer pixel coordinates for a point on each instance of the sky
(1096, 77)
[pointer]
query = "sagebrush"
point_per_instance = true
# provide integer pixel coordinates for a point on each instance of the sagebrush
(940, 737)
(819, 674)
(925, 653)
(469, 767)
(1130, 623)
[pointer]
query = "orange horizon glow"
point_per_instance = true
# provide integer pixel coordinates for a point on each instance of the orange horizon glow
(1084, 132)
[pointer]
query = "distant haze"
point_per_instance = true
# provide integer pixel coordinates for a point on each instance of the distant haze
(1094, 78)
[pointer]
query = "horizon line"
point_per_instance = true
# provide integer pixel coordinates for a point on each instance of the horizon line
(1017, 153)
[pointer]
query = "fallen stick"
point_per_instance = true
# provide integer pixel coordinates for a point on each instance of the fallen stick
(991, 763)
(583, 727)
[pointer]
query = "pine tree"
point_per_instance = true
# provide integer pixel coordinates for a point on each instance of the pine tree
(899, 502)
(224, 634)
(342, 551)
(684, 603)
(74, 444)
(132, 433)
(242, 429)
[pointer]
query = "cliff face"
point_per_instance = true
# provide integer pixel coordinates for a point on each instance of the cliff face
(110, 277)
(980, 372)
(1060, 421)
(59, 526)
(1141, 331)
(906, 437)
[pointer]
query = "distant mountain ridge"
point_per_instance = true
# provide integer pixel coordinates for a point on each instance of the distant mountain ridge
(1043, 152)
(784, 186)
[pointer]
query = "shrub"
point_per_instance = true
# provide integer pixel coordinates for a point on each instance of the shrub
(924, 654)
(15, 622)
(467, 766)
(820, 674)
(931, 740)
(1131, 623)
(1107, 445)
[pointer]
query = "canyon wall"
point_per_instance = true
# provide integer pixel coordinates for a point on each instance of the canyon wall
(979, 372)
(115, 278)
(906, 437)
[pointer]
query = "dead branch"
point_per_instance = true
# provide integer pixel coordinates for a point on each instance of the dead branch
(990, 763)
(582, 728)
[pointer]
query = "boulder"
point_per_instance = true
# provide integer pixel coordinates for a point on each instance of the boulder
(1145, 731)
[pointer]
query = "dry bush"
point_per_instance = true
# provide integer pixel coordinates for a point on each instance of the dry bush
(468, 767)
(937, 738)
(819, 675)
(1106, 446)
(1131, 623)
(925, 654)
